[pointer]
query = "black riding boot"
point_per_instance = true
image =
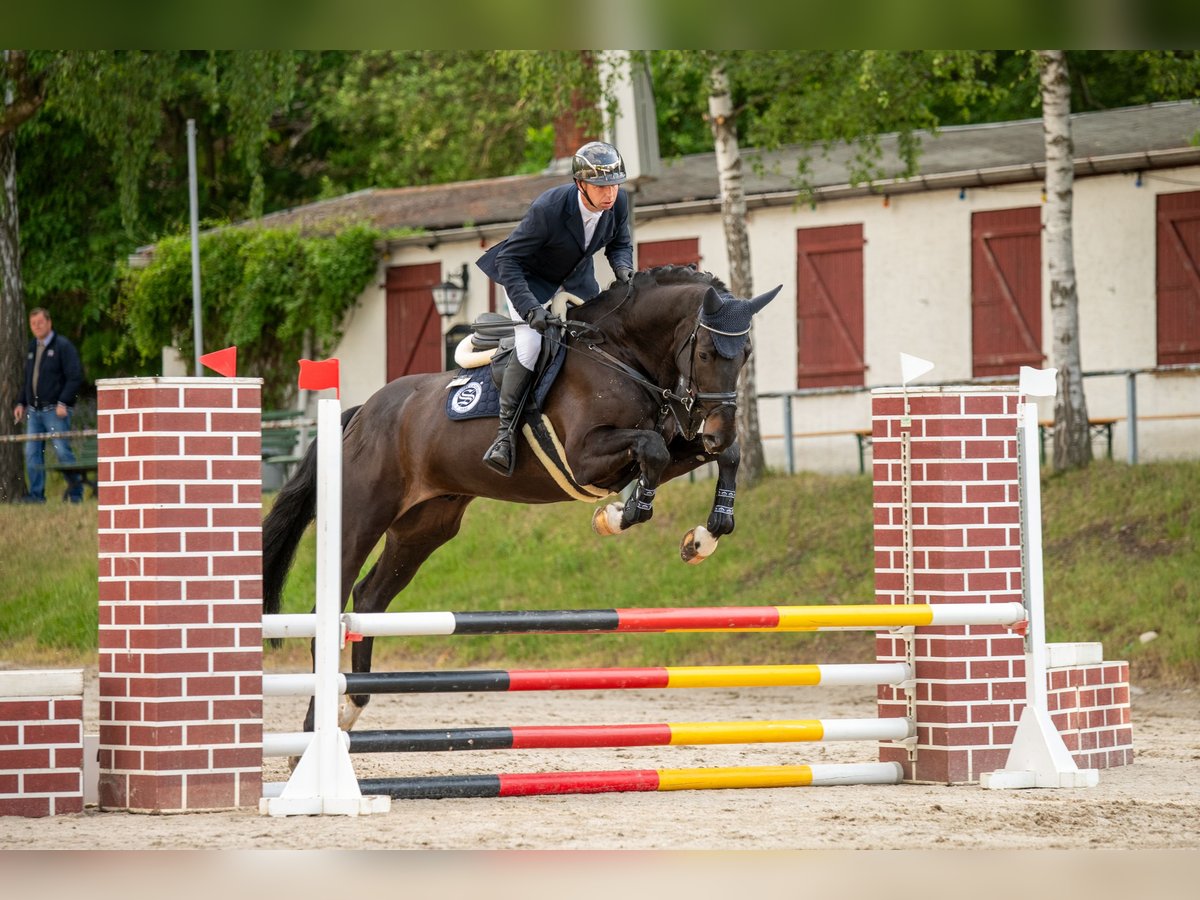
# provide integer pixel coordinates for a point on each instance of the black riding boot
(501, 456)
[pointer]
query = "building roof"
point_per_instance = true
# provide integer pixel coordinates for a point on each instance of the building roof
(1130, 139)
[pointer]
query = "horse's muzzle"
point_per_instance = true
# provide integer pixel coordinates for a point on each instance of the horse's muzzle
(720, 429)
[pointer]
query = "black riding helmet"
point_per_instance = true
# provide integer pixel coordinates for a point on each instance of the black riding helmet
(598, 163)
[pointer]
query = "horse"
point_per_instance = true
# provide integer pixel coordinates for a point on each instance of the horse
(647, 391)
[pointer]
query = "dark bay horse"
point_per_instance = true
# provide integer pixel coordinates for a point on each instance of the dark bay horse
(648, 390)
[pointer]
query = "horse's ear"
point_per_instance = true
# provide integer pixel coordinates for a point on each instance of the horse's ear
(713, 301)
(763, 299)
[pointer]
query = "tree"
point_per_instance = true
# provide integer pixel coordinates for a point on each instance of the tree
(737, 243)
(124, 102)
(22, 88)
(1072, 441)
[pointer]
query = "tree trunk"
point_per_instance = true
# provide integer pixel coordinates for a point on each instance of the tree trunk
(737, 241)
(12, 321)
(1072, 439)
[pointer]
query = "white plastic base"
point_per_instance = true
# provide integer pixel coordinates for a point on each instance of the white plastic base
(1038, 759)
(306, 795)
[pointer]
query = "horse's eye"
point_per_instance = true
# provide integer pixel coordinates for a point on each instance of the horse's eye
(704, 357)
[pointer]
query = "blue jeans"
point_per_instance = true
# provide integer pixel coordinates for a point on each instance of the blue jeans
(46, 421)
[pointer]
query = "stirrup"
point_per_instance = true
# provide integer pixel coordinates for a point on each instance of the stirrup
(504, 439)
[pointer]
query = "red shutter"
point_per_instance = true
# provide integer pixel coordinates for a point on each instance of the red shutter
(1006, 291)
(685, 252)
(1178, 278)
(829, 307)
(414, 330)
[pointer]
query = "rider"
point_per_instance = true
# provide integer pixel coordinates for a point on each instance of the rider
(549, 251)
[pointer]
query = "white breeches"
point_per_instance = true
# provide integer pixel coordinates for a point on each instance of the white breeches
(528, 342)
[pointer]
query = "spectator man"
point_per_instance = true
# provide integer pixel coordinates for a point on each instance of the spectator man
(53, 377)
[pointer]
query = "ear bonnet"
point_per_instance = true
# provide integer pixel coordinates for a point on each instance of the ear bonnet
(729, 319)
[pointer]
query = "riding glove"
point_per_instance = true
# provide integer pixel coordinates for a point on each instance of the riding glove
(538, 319)
(624, 274)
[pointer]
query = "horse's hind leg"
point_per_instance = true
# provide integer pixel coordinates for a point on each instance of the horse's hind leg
(409, 542)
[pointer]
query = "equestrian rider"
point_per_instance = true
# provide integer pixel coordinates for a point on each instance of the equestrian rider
(550, 251)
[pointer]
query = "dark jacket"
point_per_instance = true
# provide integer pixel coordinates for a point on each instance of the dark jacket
(60, 376)
(545, 252)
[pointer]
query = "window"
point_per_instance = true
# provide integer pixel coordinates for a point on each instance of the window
(682, 252)
(1178, 305)
(414, 330)
(829, 307)
(1006, 291)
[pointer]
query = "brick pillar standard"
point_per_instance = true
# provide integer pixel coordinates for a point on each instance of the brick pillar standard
(966, 546)
(180, 575)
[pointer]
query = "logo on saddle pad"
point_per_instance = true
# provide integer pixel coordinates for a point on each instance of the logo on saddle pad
(465, 398)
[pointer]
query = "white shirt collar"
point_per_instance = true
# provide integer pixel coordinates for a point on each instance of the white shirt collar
(588, 215)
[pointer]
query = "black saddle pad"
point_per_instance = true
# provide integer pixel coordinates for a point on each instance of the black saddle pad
(479, 398)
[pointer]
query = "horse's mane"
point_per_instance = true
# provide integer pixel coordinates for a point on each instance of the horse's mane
(685, 275)
(664, 275)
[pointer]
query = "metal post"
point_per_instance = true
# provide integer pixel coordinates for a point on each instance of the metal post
(789, 450)
(1131, 414)
(197, 324)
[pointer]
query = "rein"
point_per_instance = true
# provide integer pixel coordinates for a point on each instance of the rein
(688, 406)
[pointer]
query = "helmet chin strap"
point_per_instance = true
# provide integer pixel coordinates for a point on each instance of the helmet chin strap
(586, 196)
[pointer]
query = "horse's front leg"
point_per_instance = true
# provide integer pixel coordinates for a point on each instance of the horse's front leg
(650, 452)
(701, 542)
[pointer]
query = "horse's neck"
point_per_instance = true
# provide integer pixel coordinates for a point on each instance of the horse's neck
(644, 335)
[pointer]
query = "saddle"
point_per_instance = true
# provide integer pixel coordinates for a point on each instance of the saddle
(474, 392)
(482, 356)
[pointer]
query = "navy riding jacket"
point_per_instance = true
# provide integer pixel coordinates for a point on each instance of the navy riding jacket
(545, 252)
(59, 378)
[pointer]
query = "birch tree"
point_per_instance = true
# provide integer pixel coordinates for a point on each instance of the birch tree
(737, 244)
(1072, 440)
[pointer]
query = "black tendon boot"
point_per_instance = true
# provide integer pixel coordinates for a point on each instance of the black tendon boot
(501, 456)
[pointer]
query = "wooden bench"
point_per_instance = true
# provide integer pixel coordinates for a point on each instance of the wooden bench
(1098, 427)
(86, 465)
(861, 435)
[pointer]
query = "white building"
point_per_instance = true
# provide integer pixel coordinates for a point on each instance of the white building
(946, 265)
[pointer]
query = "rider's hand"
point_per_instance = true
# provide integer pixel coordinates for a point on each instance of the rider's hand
(624, 274)
(538, 319)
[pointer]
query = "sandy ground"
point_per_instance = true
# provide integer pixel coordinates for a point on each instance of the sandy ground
(1153, 804)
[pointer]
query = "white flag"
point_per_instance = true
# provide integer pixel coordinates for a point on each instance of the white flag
(913, 367)
(1038, 382)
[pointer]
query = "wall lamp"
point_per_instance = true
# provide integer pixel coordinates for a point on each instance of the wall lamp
(448, 296)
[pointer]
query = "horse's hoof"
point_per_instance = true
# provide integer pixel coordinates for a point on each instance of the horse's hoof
(606, 520)
(698, 545)
(348, 714)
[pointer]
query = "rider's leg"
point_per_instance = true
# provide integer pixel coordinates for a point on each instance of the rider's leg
(501, 456)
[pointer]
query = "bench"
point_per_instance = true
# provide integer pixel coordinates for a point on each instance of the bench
(281, 435)
(861, 435)
(1098, 427)
(85, 465)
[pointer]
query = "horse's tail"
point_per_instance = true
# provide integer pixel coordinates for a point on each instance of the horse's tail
(284, 525)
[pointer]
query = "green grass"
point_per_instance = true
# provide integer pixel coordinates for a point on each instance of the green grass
(1122, 558)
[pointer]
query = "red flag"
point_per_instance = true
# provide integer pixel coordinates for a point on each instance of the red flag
(320, 374)
(223, 362)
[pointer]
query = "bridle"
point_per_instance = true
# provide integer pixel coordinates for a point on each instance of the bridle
(685, 403)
